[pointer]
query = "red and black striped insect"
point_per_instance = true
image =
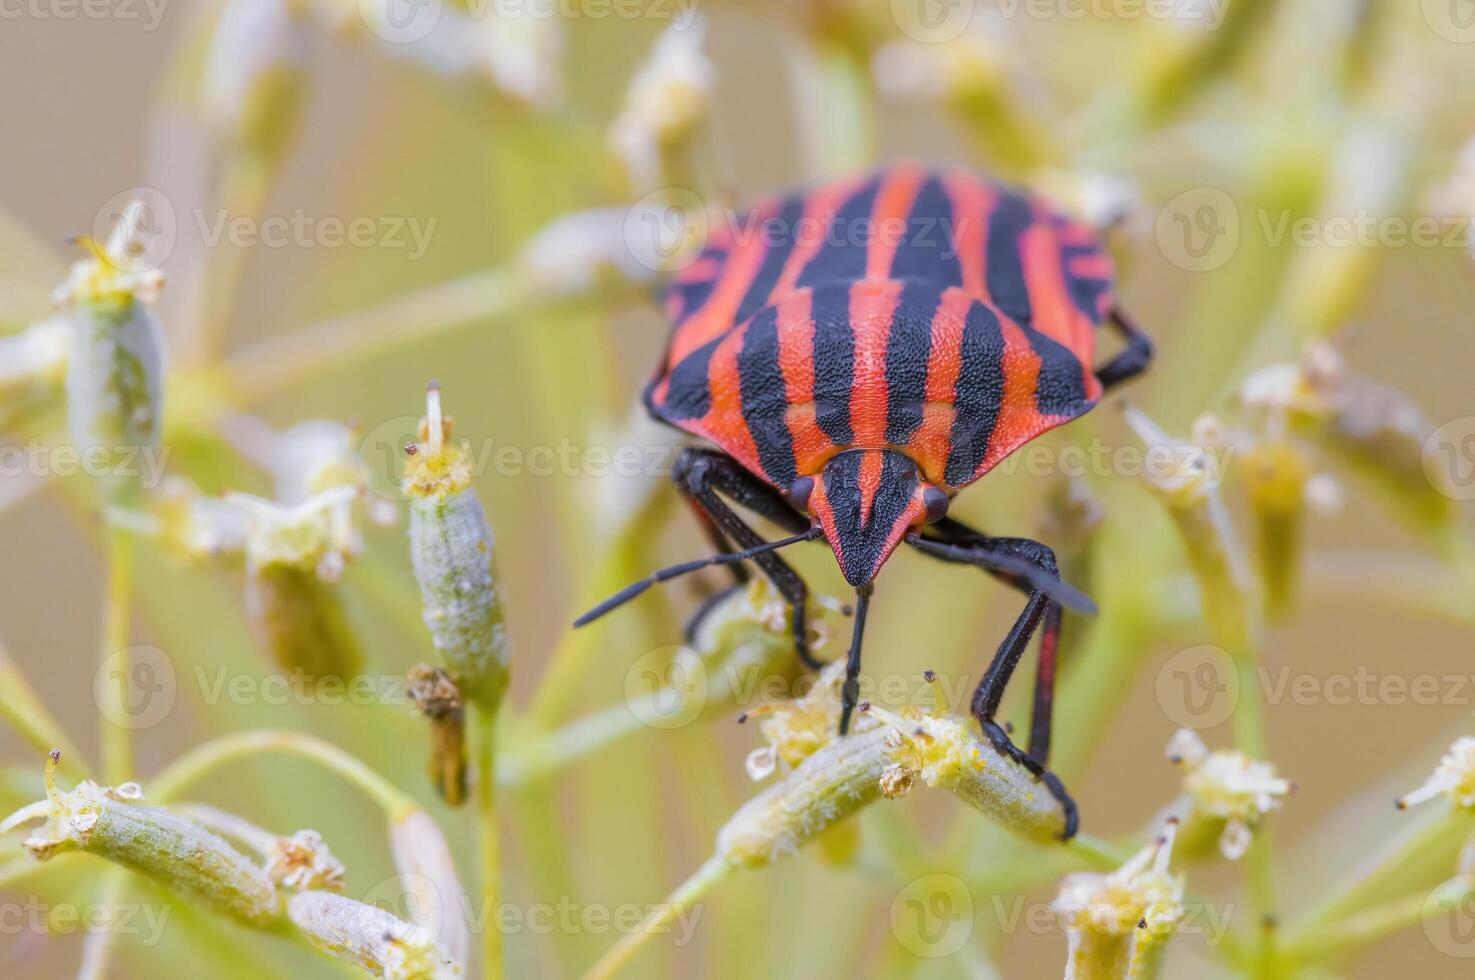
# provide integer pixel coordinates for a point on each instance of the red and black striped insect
(860, 352)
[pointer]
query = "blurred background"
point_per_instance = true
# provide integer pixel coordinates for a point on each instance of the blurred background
(1252, 163)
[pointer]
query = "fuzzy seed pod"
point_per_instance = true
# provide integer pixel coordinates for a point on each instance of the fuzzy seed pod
(451, 548)
(173, 851)
(428, 873)
(828, 787)
(293, 556)
(371, 938)
(115, 366)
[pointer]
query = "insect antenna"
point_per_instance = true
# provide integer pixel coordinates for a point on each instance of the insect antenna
(666, 574)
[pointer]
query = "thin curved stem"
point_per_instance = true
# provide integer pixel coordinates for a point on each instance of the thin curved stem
(117, 738)
(707, 877)
(205, 759)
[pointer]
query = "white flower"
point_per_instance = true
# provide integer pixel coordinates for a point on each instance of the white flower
(667, 100)
(1454, 777)
(1228, 786)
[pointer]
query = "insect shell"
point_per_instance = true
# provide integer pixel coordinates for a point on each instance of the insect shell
(875, 344)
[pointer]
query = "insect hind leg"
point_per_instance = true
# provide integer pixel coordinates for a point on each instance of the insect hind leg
(700, 474)
(1132, 360)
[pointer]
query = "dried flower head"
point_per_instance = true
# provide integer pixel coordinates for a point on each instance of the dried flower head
(1226, 788)
(1117, 924)
(1453, 777)
(437, 698)
(177, 853)
(304, 861)
(798, 728)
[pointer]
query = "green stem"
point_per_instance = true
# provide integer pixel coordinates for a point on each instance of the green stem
(1339, 938)
(489, 839)
(707, 877)
(200, 762)
(117, 739)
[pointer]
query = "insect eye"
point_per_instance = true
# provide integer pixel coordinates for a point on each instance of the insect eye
(800, 490)
(935, 502)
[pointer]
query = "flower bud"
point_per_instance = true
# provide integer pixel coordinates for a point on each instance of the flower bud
(1227, 793)
(115, 367)
(436, 698)
(1454, 778)
(255, 77)
(452, 550)
(1117, 924)
(1190, 491)
(293, 557)
(371, 938)
(425, 864)
(173, 851)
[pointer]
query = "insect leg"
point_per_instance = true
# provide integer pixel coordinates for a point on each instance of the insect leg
(699, 475)
(850, 693)
(1039, 610)
(1133, 359)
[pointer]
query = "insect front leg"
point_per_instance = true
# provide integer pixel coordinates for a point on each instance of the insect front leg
(1132, 360)
(700, 474)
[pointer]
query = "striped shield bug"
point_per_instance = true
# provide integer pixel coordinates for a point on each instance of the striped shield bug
(858, 353)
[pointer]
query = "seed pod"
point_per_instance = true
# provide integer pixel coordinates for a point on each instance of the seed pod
(293, 556)
(452, 551)
(175, 852)
(830, 786)
(436, 698)
(429, 873)
(115, 367)
(381, 943)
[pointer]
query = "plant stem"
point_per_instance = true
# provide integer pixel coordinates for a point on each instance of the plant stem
(703, 880)
(201, 761)
(117, 741)
(489, 840)
(1357, 930)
